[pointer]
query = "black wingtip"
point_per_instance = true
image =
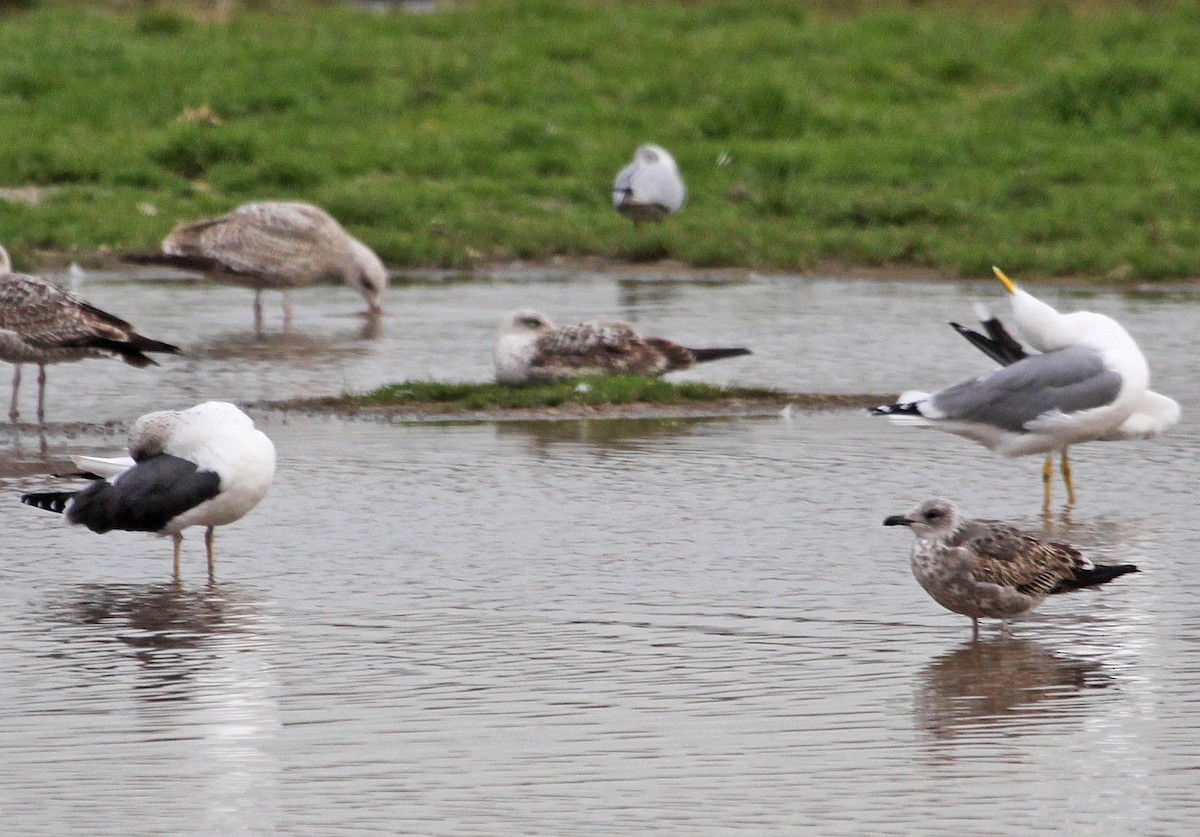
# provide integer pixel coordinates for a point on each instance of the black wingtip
(704, 355)
(1099, 574)
(906, 409)
(51, 501)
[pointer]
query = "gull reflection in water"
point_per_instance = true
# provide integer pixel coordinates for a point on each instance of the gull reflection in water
(196, 664)
(999, 683)
(615, 434)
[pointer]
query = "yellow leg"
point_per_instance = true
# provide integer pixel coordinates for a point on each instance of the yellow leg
(1066, 472)
(1047, 478)
(208, 546)
(178, 538)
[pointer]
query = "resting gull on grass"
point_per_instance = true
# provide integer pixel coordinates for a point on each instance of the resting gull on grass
(274, 246)
(204, 466)
(1090, 381)
(44, 323)
(984, 568)
(650, 188)
(531, 349)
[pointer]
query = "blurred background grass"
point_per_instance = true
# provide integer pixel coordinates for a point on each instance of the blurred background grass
(1049, 137)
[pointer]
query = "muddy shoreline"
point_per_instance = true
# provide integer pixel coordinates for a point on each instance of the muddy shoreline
(718, 408)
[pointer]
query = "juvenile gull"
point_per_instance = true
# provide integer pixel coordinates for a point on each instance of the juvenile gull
(1090, 381)
(276, 246)
(984, 568)
(204, 466)
(530, 348)
(650, 188)
(43, 323)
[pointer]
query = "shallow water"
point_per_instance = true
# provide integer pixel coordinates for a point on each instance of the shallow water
(597, 627)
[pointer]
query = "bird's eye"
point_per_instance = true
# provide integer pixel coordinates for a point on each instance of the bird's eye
(933, 514)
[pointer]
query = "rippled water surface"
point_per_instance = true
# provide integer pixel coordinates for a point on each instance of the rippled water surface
(601, 627)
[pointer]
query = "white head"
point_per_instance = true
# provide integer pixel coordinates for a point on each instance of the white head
(516, 343)
(931, 519)
(5, 261)
(653, 155)
(526, 321)
(367, 275)
(1046, 330)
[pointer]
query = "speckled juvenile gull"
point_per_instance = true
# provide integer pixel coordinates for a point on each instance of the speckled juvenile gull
(530, 348)
(984, 568)
(1089, 382)
(204, 466)
(43, 323)
(274, 245)
(650, 188)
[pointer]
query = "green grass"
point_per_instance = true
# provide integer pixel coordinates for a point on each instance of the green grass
(594, 392)
(1050, 137)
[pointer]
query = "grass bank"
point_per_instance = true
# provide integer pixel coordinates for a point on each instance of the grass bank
(591, 396)
(1050, 137)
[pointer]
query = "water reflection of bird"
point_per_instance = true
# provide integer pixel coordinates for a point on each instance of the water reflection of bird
(530, 348)
(610, 434)
(650, 188)
(984, 568)
(1089, 382)
(44, 323)
(999, 682)
(277, 246)
(205, 466)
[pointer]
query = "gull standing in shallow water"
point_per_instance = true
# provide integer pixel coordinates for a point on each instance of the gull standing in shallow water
(530, 349)
(984, 568)
(276, 246)
(650, 188)
(1089, 382)
(44, 323)
(204, 466)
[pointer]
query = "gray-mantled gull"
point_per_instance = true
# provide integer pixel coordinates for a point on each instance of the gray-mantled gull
(984, 568)
(204, 466)
(530, 348)
(650, 188)
(1089, 382)
(44, 323)
(277, 246)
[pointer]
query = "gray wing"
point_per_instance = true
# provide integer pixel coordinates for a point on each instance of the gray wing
(47, 315)
(623, 185)
(1069, 380)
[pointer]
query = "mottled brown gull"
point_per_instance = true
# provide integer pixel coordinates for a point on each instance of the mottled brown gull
(984, 568)
(530, 348)
(204, 466)
(1090, 381)
(650, 188)
(43, 323)
(274, 246)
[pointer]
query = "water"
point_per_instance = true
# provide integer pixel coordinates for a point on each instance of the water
(599, 627)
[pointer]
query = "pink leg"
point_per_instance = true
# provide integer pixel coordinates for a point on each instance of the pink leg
(258, 320)
(287, 313)
(41, 394)
(13, 412)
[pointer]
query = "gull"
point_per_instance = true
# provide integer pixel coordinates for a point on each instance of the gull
(274, 245)
(985, 568)
(43, 323)
(1089, 381)
(530, 348)
(204, 466)
(1155, 413)
(650, 188)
